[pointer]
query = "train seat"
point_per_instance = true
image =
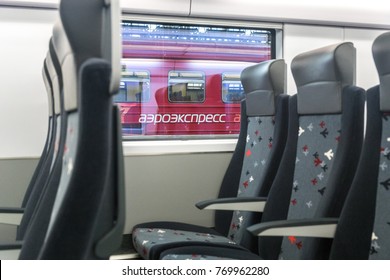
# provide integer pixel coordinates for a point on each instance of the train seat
(363, 229)
(51, 163)
(55, 164)
(42, 169)
(249, 175)
(87, 217)
(329, 113)
(13, 215)
(322, 150)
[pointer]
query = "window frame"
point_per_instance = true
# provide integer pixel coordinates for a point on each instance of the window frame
(202, 80)
(142, 99)
(235, 82)
(276, 52)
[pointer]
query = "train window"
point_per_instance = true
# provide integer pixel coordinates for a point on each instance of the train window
(183, 79)
(186, 87)
(232, 90)
(134, 87)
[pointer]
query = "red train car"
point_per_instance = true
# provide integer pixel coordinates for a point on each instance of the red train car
(185, 80)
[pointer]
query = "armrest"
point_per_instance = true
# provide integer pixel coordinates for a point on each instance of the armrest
(324, 227)
(10, 251)
(11, 210)
(254, 204)
(11, 215)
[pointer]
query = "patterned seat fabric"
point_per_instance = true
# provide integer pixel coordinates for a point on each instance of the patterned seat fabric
(152, 237)
(250, 173)
(321, 153)
(323, 148)
(380, 242)
(364, 226)
(207, 253)
(89, 194)
(258, 148)
(317, 146)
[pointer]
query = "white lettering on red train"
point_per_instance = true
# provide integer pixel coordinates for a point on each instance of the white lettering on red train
(182, 118)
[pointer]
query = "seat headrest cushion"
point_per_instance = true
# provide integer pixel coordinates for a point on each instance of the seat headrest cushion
(87, 29)
(262, 83)
(320, 76)
(83, 23)
(381, 54)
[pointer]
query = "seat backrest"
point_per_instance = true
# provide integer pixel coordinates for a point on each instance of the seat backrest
(364, 226)
(82, 215)
(47, 153)
(48, 177)
(90, 193)
(323, 146)
(259, 148)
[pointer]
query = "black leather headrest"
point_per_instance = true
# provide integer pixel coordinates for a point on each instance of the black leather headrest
(262, 83)
(381, 53)
(320, 76)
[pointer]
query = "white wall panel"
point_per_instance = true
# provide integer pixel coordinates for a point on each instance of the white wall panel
(302, 38)
(372, 13)
(24, 37)
(333, 12)
(166, 188)
(166, 7)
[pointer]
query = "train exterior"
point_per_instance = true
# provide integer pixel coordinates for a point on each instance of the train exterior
(185, 80)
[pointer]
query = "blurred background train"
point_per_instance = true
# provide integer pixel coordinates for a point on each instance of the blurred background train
(185, 79)
(180, 90)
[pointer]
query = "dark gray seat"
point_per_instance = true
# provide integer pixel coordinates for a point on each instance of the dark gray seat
(366, 215)
(13, 215)
(249, 175)
(88, 212)
(318, 165)
(328, 134)
(52, 163)
(82, 217)
(42, 169)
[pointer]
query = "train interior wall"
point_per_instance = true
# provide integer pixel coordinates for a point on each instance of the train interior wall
(160, 185)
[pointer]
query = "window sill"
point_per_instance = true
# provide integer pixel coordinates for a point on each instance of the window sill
(168, 147)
